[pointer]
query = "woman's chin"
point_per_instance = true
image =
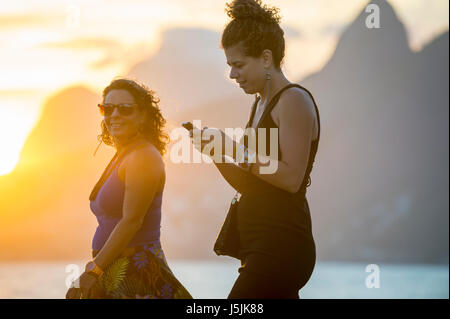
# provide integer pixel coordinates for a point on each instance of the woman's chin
(120, 135)
(116, 134)
(248, 91)
(125, 136)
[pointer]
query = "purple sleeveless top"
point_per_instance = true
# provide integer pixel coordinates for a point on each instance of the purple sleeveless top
(107, 208)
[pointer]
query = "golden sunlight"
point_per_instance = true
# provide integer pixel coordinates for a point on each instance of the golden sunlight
(16, 122)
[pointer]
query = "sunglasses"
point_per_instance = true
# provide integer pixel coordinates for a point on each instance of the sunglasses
(124, 109)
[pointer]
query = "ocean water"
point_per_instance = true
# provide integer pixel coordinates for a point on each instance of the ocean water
(214, 279)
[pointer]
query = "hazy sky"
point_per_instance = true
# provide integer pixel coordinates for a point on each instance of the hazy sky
(46, 45)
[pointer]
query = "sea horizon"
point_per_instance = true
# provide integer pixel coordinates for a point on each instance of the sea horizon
(210, 279)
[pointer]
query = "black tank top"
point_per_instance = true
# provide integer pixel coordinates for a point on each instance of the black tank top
(267, 122)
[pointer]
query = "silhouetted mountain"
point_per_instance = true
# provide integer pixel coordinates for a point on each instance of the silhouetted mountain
(45, 199)
(61, 128)
(384, 111)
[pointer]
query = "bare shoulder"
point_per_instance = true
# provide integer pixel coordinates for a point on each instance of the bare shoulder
(146, 153)
(145, 158)
(295, 103)
(297, 98)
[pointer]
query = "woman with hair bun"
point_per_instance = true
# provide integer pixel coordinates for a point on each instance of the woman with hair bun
(277, 248)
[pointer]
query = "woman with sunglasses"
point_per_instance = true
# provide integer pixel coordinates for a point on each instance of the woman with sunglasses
(128, 260)
(277, 248)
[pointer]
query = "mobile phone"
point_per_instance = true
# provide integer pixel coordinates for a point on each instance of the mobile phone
(188, 126)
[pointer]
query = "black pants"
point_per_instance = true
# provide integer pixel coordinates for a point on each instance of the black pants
(265, 277)
(251, 285)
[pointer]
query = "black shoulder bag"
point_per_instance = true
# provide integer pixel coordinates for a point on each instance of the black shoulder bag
(228, 240)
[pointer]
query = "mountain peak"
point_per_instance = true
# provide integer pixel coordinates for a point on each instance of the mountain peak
(69, 121)
(389, 41)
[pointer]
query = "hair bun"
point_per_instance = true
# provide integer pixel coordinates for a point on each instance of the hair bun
(252, 9)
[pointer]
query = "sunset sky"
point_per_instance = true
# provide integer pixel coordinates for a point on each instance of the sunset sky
(47, 45)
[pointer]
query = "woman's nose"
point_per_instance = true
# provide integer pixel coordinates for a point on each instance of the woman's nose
(233, 74)
(115, 112)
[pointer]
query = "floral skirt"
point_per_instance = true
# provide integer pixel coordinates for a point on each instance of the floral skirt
(144, 274)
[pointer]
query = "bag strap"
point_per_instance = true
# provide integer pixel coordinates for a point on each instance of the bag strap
(253, 111)
(273, 103)
(252, 115)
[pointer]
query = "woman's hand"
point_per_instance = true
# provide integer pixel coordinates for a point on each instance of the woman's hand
(87, 280)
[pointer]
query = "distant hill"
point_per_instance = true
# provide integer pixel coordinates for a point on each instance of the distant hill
(45, 199)
(187, 71)
(385, 125)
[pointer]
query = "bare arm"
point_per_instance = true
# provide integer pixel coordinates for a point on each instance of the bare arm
(144, 170)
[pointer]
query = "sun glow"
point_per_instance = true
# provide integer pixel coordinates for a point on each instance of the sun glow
(16, 121)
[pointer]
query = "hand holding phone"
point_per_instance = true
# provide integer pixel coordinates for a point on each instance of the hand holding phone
(188, 126)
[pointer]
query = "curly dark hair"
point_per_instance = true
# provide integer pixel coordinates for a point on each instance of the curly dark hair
(257, 26)
(146, 99)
